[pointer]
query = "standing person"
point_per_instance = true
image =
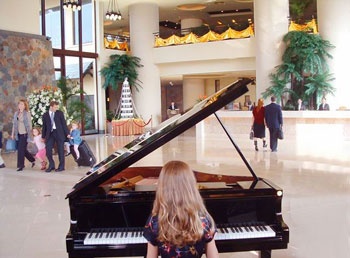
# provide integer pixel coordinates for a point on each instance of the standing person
(274, 121)
(22, 133)
(74, 139)
(259, 124)
(180, 225)
(55, 130)
(2, 163)
(300, 105)
(323, 105)
(173, 106)
(41, 154)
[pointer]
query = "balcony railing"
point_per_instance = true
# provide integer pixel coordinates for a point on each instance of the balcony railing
(117, 42)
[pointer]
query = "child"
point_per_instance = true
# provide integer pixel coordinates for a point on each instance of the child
(74, 139)
(180, 225)
(41, 154)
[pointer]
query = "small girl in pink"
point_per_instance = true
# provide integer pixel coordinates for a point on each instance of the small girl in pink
(41, 154)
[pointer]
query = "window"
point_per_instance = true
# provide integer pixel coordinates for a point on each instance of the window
(87, 20)
(53, 26)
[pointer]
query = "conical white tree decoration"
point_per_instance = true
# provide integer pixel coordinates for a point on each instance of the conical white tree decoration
(126, 103)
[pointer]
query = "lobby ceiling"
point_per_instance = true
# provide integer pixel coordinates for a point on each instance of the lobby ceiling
(211, 12)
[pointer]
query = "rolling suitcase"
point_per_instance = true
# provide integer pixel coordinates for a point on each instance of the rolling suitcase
(87, 157)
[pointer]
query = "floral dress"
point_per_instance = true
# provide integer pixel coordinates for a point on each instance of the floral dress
(169, 251)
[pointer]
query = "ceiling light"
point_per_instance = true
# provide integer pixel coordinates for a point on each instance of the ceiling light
(113, 12)
(191, 7)
(74, 5)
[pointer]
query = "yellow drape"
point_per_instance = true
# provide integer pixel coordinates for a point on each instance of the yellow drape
(189, 38)
(210, 36)
(311, 25)
(114, 44)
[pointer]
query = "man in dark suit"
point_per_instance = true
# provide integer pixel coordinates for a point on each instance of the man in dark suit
(323, 105)
(273, 120)
(54, 130)
(172, 106)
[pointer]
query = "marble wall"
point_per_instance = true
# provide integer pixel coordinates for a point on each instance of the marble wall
(26, 63)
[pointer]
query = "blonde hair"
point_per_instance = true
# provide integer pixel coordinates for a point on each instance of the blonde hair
(179, 205)
(75, 123)
(37, 128)
(25, 102)
(260, 104)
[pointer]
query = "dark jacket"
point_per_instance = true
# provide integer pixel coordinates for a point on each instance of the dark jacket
(326, 107)
(273, 115)
(60, 122)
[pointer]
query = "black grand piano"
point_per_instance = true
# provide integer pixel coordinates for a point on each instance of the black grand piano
(110, 205)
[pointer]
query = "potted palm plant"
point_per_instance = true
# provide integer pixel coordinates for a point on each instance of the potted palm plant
(118, 68)
(304, 64)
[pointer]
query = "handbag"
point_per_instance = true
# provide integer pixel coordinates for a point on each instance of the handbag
(32, 149)
(280, 133)
(11, 145)
(251, 135)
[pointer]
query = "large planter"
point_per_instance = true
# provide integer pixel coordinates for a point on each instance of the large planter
(109, 127)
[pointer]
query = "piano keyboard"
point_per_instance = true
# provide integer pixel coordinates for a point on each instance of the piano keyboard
(244, 232)
(114, 236)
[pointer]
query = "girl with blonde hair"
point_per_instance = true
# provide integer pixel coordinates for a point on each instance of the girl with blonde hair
(259, 124)
(180, 225)
(41, 154)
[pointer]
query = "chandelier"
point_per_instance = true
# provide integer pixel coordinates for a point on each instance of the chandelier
(113, 12)
(74, 5)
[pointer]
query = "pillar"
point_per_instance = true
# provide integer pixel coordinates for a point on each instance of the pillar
(192, 89)
(144, 21)
(270, 24)
(333, 24)
(190, 23)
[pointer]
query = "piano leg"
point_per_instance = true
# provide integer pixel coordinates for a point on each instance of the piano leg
(265, 254)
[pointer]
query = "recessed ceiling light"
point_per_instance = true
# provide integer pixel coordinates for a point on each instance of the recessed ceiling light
(191, 7)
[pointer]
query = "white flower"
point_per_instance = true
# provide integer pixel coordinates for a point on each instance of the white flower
(39, 102)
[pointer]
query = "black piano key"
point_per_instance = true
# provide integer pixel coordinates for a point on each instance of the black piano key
(115, 232)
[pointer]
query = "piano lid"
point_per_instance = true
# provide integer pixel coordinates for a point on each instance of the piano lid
(158, 136)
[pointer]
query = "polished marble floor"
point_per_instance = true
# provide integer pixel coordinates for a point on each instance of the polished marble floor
(314, 174)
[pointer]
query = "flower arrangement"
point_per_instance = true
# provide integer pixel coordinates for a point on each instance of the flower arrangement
(39, 102)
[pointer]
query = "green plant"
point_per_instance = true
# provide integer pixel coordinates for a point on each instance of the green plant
(278, 88)
(76, 109)
(303, 61)
(110, 115)
(297, 8)
(118, 68)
